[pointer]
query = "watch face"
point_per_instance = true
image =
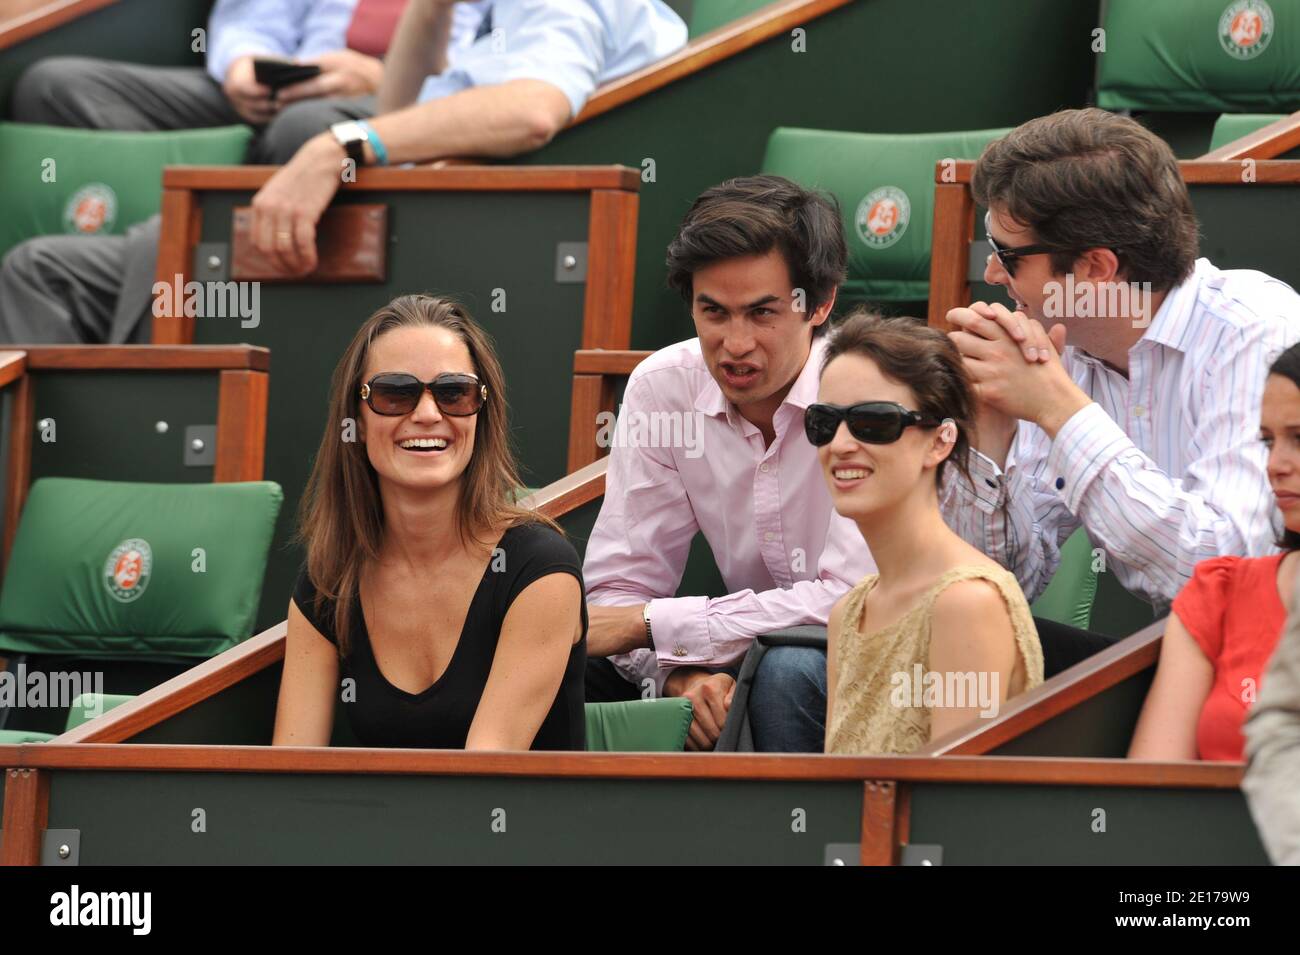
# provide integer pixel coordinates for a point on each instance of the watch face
(348, 131)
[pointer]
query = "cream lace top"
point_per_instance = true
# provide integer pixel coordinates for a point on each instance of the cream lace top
(878, 708)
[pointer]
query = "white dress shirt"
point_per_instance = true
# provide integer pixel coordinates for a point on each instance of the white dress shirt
(574, 45)
(1165, 468)
(302, 29)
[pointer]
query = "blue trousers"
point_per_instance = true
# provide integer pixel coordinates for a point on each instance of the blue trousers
(787, 702)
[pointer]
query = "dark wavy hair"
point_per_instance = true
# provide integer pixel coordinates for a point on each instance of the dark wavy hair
(753, 215)
(1086, 178)
(922, 358)
(1287, 365)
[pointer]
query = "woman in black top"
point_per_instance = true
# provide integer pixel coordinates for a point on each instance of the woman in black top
(441, 614)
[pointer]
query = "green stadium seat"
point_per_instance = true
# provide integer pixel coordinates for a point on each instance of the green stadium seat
(1069, 596)
(708, 15)
(1232, 126)
(638, 726)
(1215, 56)
(884, 183)
(14, 737)
(92, 182)
(90, 705)
(103, 569)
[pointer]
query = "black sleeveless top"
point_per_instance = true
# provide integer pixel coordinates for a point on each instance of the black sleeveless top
(439, 717)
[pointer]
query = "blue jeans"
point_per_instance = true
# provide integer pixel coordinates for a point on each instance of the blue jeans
(787, 702)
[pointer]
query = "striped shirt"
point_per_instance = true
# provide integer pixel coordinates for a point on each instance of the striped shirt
(1165, 468)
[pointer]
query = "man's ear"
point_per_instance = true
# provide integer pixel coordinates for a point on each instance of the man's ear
(823, 311)
(1097, 265)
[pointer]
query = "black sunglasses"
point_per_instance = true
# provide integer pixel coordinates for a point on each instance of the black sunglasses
(397, 393)
(871, 422)
(1007, 255)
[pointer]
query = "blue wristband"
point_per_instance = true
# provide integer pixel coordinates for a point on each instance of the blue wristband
(377, 144)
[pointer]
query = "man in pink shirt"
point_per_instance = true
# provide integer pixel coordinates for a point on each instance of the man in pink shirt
(710, 439)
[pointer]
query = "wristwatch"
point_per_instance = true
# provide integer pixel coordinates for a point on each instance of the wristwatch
(351, 135)
(649, 635)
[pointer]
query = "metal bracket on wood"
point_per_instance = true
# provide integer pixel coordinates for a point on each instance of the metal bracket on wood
(200, 446)
(61, 847)
(920, 854)
(211, 262)
(570, 262)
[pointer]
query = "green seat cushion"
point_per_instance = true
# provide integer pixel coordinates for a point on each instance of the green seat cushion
(1206, 56)
(708, 15)
(155, 571)
(94, 182)
(14, 737)
(1068, 598)
(639, 726)
(87, 706)
(1232, 126)
(884, 184)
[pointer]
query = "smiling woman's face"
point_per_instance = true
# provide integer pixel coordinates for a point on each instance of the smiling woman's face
(867, 478)
(392, 442)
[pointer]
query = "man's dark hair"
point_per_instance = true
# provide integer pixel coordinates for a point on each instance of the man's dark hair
(1085, 178)
(1288, 366)
(754, 215)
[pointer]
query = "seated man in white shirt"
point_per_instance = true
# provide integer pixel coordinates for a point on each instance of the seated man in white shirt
(494, 78)
(529, 72)
(1137, 414)
(758, 261)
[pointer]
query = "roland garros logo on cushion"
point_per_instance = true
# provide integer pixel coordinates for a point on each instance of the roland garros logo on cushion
(882, 216)
(127, 570)
(91, 210)
(1245, 28)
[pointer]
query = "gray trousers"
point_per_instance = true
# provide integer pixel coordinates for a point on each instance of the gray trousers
(68, 289)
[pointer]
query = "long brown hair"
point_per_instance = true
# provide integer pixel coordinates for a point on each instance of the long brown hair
(341, 518)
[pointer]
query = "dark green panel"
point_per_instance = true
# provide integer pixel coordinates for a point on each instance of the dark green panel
(1100, 726)
(1052, 825)
(1002, 62)
(462, 244)
(132, 818)
(106, 424)
(138, 31)
(1188, 134)
(1115, 611)
(1251, 226)
(578, 524)
(240, 715)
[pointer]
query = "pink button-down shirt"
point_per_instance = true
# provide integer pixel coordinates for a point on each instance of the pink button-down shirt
(684, 460)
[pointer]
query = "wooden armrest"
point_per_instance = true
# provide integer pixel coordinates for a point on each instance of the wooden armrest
(598, 361)
(13, 365)
(148, 357)
(446, 178)
(1273, 140)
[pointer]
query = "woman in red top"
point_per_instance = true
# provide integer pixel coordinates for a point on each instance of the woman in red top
(1226, 622)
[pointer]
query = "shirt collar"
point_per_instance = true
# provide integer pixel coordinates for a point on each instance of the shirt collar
(711, 401)
(1170, 325)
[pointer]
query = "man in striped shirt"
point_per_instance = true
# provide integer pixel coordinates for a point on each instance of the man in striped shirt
(1137, 415)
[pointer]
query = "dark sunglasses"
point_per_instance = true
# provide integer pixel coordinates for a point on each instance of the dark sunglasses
(397, 393)
(1007, 256)
(871, 422)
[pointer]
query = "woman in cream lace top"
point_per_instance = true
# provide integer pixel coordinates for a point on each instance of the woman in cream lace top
(942, 635)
